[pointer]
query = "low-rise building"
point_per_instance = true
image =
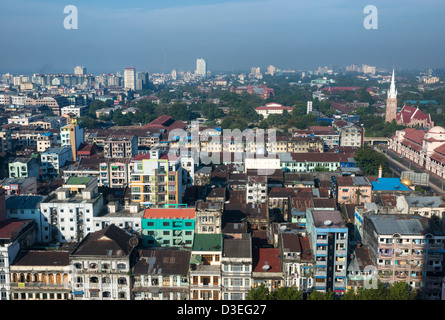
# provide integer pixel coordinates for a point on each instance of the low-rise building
(172, 227)
(354, 190)
(102, 263)
(15, 236)
(266, 268)
(208, 216)
(297, 261)
(205, 267)
(41, 275)
(236, 266)
(161, 274)
(24, 168)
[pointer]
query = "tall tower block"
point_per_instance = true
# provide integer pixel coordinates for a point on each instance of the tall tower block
(391, 101)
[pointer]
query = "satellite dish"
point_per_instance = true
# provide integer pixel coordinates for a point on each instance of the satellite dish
(133, 242)
(266, 266)
(327, 222)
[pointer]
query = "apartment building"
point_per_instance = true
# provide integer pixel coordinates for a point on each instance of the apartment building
(124, 216)
(266, 268)
(19, 186)
(69, 211)
(208, 217)
(425, 206)
(115, 172)
(41, 275)
(313, 161)
(205, 267)
(120, 146)
(15, 235)
(77, 111)
(72, 136)
(407, 248)
(236, 266)
(168, 226)
(352, 190)
(53, 159)
(156, 179)
(328, 235)
(26, 208)
(297, 261)
(351, 134)
(45, 141)
(24, 168)
(161, 274)
(256, 189)
(102, 263)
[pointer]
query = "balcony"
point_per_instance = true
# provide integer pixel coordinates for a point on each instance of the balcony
(385, 256)
(401, 276)
(403, 245)
(435, 247)
(385, 266)
(386, 245)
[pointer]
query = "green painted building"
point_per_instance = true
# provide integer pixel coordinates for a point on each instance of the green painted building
(168, 227)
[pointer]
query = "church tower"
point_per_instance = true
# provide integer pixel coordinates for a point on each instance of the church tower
(391, 101)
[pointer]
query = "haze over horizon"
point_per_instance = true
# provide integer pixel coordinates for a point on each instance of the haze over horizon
(159, 36)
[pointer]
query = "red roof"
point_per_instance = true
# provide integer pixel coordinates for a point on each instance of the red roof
(408, 113)
(161, 120)
(140, 157)
(169, 213)
(266, 256)
(411, 145)
(9, 227)
(414, 135)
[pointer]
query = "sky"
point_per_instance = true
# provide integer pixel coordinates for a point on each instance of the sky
(231, 35)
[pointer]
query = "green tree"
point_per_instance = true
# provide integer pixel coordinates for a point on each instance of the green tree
(401, 291)
(88, 122)
(370, 160)
(317, 295)
(349, 295)
(287, 293)
(258, 293)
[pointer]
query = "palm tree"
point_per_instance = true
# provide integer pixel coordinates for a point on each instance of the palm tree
(358, 194)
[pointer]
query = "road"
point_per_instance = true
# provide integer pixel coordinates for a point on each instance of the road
(399, 165)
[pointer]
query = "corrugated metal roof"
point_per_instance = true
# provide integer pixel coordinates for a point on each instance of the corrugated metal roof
(23, 202)
(404, 225)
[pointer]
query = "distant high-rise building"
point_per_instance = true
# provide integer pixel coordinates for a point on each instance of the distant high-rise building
(174, 74)
(309, 107)
(201, 68)
(368, 69)
(79, 71)
(130, 79)
(141, 80)
(391, 101)
(271, 70)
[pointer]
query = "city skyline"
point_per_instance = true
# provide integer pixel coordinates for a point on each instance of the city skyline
(229, 35)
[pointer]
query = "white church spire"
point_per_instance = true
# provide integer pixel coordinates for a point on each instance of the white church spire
(392, 93)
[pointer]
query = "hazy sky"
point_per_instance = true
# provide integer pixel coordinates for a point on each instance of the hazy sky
(162, 35)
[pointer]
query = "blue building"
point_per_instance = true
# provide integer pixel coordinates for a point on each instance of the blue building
(329, 235)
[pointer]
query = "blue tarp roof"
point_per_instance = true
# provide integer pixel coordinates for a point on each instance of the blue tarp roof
(392, 184)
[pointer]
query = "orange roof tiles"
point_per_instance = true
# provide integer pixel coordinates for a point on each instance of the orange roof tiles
(169, 213)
